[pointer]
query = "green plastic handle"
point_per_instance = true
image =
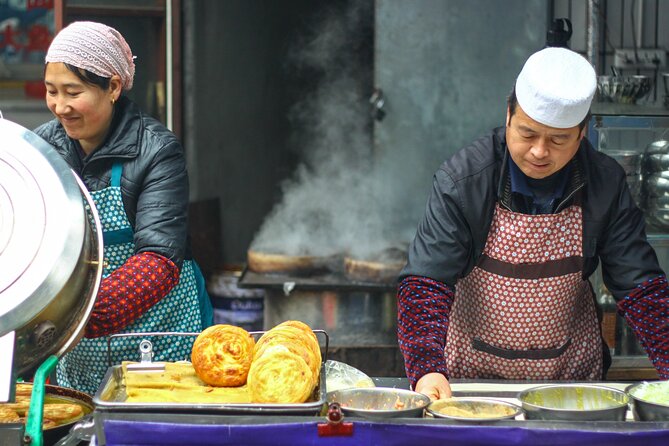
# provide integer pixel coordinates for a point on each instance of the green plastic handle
(36, 411)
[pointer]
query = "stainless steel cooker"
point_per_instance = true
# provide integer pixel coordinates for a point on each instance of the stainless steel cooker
(50, 254)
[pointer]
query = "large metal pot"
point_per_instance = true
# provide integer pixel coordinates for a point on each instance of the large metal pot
(50, 251)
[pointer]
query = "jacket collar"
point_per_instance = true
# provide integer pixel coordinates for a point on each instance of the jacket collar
(577, 178)
(124, 138)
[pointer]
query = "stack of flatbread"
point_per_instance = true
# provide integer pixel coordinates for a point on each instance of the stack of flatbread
(286, 364)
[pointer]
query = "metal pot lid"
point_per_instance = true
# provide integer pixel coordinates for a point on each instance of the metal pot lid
(42, 224)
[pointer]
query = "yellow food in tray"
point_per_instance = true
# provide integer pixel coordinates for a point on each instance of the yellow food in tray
(202, 395)
(177, 384)
(284, 368)
(177, 375)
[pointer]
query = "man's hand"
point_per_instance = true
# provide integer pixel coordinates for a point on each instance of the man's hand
(434, 385)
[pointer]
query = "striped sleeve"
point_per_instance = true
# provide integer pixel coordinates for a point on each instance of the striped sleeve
(422, 323)
(130, 291)
(646, 311)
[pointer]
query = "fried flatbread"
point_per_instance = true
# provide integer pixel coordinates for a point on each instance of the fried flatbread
(8, 415)
(297, 341)
(59, 412)
(20, 407)
(222, 355)
(280, 376)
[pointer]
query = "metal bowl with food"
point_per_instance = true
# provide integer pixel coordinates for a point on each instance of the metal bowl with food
(380, 402)
(650, 400)
(574, 402)
(474, 409)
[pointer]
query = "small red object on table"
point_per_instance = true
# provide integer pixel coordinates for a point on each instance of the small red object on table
(335, 426)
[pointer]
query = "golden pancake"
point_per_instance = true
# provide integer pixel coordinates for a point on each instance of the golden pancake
(24, 390)
(20, 407)
(8, 415)
(280, 376)
(304, 327)
(222, 355)
(294, 340)
(61, 412)
(311, 336)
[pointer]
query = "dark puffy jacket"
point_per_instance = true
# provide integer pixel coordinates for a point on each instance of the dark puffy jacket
(452, 234)
(154, 183)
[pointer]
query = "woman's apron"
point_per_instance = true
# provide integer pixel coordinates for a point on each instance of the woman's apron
(186, 308)
(525, 312)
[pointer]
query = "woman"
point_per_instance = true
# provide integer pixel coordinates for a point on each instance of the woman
(136, 173)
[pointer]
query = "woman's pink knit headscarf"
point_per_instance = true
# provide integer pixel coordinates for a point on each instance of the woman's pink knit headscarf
(95, 47)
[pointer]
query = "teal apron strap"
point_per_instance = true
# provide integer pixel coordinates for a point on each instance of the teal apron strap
(117, 170)
(206, 309)
(124, 235)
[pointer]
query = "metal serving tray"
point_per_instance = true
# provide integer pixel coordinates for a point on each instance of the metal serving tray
(111, 396)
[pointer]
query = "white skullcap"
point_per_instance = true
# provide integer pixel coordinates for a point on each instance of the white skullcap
(555, 87)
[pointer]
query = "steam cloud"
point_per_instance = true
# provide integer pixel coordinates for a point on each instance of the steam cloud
(343, 198)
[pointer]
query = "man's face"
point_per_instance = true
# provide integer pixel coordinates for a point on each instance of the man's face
(538, 150)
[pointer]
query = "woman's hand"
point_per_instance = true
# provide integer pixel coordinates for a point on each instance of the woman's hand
(434, 385)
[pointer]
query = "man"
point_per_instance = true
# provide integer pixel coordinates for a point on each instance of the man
(496, 284)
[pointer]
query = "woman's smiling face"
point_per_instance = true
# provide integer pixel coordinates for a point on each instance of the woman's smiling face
(85, 110)
(538, 150)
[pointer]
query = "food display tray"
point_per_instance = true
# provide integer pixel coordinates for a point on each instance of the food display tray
(111, 396)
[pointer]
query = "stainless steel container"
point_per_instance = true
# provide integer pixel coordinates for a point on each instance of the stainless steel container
(574, 402)
(650, 400)
(111, 398)
(380, 402)
(474, 409)
(50, 251)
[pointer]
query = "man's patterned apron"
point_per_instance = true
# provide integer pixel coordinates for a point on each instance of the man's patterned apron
(184, 309)
(525, 312)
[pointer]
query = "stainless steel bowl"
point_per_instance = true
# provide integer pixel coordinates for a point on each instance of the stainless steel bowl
(657, 162)
(657, 184)
(657, 203)
(650, 400)
(623, 89)
(474, 409)
(659, 146)
(380, 402)
(571, 402)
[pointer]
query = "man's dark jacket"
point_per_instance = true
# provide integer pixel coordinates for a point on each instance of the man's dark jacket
(453, 232)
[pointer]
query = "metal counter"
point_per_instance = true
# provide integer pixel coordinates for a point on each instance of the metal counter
(115, 428)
